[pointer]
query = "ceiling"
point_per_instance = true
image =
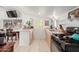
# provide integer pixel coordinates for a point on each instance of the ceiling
(51, 10)
(44, 11)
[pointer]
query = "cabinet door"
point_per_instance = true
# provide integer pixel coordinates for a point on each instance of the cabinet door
(24, 38)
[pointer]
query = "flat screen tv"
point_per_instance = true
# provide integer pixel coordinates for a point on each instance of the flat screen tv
(11, 13)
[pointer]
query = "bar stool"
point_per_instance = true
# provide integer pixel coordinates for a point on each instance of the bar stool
(14, 35)
(9, 34)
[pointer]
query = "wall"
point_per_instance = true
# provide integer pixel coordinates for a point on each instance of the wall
(23, 13)
(2, 16)
(67, 23)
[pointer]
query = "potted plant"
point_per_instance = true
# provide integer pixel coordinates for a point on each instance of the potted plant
(29, 24)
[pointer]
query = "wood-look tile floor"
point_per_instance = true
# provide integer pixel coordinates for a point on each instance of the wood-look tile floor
(36, 46)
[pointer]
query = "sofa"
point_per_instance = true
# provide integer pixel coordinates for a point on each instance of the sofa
(65, 43)
(2, 37)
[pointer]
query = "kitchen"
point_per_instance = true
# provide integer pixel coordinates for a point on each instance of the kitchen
(32, 26)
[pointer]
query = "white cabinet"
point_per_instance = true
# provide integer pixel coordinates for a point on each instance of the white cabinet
(24, 38)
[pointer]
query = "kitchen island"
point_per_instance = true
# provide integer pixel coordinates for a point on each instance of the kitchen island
(25, 39)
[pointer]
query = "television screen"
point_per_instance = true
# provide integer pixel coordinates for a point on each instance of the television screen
(11, 13)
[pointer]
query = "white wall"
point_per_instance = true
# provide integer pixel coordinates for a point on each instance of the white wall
(2, 16)
(23, 13)
(67, 23)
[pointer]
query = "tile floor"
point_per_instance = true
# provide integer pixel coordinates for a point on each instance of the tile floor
(37, 45)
